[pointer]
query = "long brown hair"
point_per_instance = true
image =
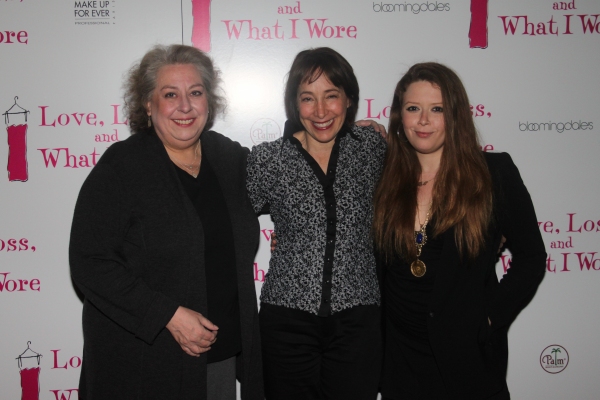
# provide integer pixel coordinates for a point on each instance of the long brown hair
(462, 191)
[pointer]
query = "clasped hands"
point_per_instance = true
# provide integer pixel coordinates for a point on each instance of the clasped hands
(194, 333)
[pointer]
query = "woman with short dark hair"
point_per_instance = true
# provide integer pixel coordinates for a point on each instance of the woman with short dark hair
(319, 316)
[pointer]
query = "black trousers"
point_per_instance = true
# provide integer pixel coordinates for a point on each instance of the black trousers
(326, 358)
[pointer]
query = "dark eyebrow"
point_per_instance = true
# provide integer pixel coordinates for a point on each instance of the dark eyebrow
(327, 91)
(174, 87)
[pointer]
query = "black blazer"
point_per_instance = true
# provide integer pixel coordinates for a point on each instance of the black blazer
(471, 355)
(134, 254)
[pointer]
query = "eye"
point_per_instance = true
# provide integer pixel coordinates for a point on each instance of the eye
(332, 96)
(197, 93)
(438, 109)
(170, 95)
(412, 108)
(305, 99)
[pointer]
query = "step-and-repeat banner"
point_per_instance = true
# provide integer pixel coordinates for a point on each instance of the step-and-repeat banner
(530, 68)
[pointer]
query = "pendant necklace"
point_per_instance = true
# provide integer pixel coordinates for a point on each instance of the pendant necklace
(418, 268)
(191, 166)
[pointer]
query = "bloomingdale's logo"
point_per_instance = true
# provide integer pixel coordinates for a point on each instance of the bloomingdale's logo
(478, 28)
(407, 7)
(554, 359)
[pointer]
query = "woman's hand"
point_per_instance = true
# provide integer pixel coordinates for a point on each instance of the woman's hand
(194, 333)
(273, 241)
(377, 126)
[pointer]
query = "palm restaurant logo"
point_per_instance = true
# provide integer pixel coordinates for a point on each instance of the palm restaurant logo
(554, 359)
(264, 130)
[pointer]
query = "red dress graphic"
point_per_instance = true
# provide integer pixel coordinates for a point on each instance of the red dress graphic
(17, 143)
(30, 383)
(478, 28)
(201, 25)
(30, 376)
(17, 153)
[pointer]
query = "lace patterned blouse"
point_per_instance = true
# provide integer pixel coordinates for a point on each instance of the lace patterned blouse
(324, 260)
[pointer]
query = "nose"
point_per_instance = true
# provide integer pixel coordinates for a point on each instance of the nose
(320, 109)
(424, 120)
(185, 105)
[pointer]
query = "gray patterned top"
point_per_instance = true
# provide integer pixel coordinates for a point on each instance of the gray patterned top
(281, 176)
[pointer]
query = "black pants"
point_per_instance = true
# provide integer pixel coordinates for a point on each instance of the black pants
(309, 357)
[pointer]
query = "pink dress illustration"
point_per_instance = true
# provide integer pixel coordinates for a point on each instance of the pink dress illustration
(201, 27)
(17, 143)
(478, 29)
(30, 377)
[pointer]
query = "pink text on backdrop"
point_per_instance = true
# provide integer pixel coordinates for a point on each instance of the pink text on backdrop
(373, 112)
(295, 9)
(116, 115)
(316, 28)
(17, 245)
(107, 137)
(521, 24)
(12, 37)
(267, 234)
(76, 118)
(65, 394)
(52, 156)
(73, 362)
(10, 285)
(259, 274)
(586, 261)
(586, 226)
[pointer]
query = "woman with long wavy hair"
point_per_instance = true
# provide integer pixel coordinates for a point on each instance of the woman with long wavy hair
(441, 209)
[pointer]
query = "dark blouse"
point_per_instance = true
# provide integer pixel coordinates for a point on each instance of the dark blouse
(219, 256)
(410, 369)
(408, 298)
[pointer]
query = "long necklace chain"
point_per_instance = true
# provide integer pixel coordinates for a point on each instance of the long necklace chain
(418, 267)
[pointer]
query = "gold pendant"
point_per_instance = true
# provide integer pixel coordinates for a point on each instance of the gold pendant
(417, 268)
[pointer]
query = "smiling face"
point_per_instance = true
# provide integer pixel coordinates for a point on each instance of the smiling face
(179, 106)
(423, 118)
(322, 108)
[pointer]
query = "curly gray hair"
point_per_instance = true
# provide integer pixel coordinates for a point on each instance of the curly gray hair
(140, 82)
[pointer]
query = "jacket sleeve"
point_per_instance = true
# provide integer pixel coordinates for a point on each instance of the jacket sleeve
(518, 223)
(98, 256)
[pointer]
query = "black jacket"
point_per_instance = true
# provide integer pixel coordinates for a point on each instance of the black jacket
(471, 355)
(134, 254)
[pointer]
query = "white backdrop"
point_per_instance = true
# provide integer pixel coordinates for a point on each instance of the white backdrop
(530, 68)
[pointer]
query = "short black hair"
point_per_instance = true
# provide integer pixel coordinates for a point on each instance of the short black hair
(308, 66)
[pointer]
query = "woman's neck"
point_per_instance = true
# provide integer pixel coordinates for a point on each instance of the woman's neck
(321, 152)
